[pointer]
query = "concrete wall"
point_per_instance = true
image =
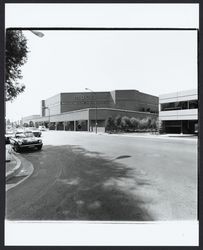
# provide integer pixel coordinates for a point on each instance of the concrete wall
(185, 114)
(179, 96)
(71, 116)
(27, 119)
(54, 105)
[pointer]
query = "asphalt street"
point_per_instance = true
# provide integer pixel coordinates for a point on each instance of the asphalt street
(84, 176)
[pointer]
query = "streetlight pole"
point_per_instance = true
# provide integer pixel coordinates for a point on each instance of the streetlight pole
(95, 108)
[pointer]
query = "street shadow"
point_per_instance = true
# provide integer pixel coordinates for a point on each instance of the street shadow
(93, 188)
(15, 179)
(122, 157)
(28, 150)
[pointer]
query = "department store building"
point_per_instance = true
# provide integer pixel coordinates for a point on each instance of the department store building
(84, 111)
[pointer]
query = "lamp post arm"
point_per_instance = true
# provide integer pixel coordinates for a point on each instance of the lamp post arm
(37, 33)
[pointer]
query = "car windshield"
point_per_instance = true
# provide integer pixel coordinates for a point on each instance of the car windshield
(29, 134)
(20, 135)
(23, 135)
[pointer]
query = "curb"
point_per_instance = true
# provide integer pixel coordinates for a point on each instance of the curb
(154, 136)
(27, 170)
(13, 172)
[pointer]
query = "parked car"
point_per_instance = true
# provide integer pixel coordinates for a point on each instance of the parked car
(42, 128)
(8, 136)
(20, 130)
(10, 132)
(7, 139)
(35, 131)
(8, 149)
(25, 140)
(8, 153)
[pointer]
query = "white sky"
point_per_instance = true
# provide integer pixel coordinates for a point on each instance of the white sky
(155, 62)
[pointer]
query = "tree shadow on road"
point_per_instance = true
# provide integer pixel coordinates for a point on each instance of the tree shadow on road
(89, 187)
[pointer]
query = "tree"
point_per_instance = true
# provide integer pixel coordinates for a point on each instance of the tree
(125, 123)
(8, 122)
(16, 56)
(160, 126)
(31, 124)
(149, 122)
(118, 122)
(154, 124)
(143, 123)
(134, 122)
(109, 124)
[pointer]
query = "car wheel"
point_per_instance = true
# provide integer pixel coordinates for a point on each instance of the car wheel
(39, 147)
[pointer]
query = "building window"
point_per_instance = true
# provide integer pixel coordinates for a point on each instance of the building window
(174, 106)
(183, 105)
(193, 104)
(167, 106)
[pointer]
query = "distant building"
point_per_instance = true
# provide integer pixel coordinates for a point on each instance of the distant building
(27, 119)
(179, 111)
(81, 110)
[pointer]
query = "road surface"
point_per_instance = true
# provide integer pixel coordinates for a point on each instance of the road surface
(83, 176)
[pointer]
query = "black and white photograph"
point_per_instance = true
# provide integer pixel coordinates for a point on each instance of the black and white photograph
(101, 124)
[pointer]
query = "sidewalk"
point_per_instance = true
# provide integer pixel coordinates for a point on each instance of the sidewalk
(152, 135)
(12, 167)
(189, 137)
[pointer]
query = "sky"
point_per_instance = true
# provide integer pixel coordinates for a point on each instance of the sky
(154, 62)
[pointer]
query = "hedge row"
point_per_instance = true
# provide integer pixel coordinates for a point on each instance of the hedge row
(126, 124)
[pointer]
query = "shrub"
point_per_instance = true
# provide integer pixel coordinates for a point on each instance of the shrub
(131, 124)
(109, 124)
(143, 124)
(160, 126)
(148, 122)
(31, 124)
(117, 123)
(134, 123)
(125, 123)
(153, 124)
